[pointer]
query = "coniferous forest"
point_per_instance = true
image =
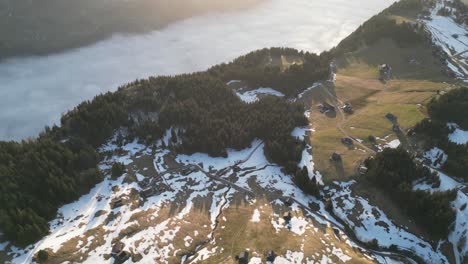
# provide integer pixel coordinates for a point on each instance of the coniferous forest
(434, 131)
(394, 171)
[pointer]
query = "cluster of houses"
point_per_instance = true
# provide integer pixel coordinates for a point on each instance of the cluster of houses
(328, 108)
(347, 108)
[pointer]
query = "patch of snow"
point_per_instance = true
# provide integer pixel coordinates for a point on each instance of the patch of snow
(139, 177)
(458, 136)
(188, 241)
(290, 257)
(436, 156)
(255, 216)
(218, 163)
(255, 260)
(446, 183)
(307, 161)
(277, 224)
(393, 144)
(298, 225)
(3, 245)
(458, 236)
(204, 254)
(301, 132)
(315, 85)
(252, 96)
(233, 81)
(339, 253)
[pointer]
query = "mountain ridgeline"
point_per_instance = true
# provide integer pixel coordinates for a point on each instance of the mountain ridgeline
(61, 164)
(382, 26)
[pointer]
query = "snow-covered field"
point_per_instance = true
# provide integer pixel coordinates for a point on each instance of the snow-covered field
(393, 144)
(35, 91)
(452, 38)
(370, 222)
(436, 157)
(86, 230)
(252, 96)
(458, 136)
(459, 235)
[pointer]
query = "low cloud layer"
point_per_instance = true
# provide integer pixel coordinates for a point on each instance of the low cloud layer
(34, 92)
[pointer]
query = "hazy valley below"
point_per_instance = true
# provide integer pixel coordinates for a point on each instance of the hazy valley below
(35, 91)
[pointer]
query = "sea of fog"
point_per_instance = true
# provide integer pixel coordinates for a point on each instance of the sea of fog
(35, 91)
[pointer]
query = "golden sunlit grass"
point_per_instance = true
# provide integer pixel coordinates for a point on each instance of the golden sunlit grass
(238, 233)
(416, 79)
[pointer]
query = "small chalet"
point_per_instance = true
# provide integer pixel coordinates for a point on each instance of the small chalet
(326, 107)
(243, 258)
(347, 141)
(385, 72)
(363, 170)
(335, 157)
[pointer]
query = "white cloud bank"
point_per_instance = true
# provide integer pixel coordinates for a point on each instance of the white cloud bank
(35, 91)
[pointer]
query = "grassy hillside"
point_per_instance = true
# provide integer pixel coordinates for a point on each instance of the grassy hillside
(392, 37)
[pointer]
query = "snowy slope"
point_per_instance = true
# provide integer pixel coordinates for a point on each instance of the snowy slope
(459, 235)
(452, 38)
(86, 230)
